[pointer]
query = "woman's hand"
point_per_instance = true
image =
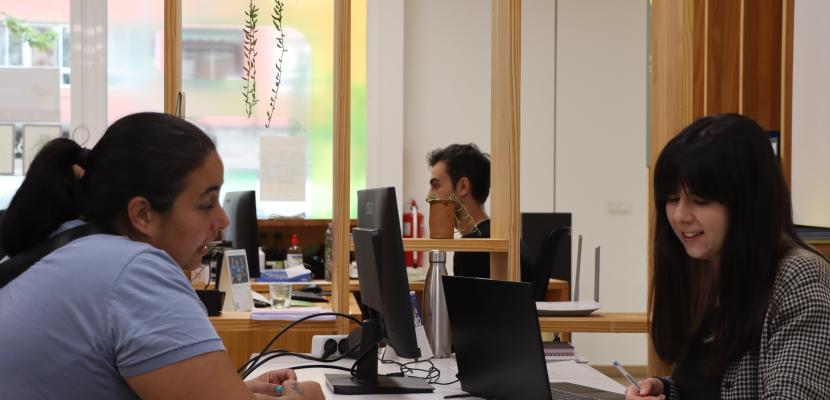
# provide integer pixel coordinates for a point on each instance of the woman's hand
(308, 390)
(652, 389)
(283, 383)
(267, 383)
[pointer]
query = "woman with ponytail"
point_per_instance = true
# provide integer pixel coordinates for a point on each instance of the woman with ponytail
(111, 315)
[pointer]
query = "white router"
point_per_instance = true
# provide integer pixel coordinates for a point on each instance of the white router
(575, 307)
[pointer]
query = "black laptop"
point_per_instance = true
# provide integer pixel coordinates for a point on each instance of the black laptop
(498, 345)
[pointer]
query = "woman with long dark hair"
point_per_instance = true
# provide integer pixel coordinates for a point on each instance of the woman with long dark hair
(739, 303)
(110, 315)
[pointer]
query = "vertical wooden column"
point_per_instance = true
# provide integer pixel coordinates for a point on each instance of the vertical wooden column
(672, 99)
(342, 139)
(722, 40)
(504, 135)
(172, 53)
(786, 118)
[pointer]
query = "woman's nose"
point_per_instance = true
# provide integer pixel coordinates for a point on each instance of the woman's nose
(682, 212)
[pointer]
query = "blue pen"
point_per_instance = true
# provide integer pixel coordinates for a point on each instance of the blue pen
(625, 373)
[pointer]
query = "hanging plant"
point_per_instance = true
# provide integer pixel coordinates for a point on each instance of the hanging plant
(37, 39)
(249, 52)
(276, 18)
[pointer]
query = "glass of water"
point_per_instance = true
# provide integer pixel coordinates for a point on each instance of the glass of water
(280, 294)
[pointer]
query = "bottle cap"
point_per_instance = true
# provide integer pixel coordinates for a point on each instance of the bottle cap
(437, 256)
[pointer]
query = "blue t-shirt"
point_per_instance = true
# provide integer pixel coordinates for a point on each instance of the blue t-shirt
(93, 312)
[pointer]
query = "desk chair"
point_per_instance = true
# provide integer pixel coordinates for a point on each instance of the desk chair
(538, 270)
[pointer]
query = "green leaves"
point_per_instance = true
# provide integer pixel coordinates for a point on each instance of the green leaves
(249, 65)
(276, 19)
(38, 39)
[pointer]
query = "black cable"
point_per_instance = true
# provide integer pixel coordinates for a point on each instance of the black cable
(254, 360)
(279, 353)
(320, 366)
(433, 373)
(364, 354)
(215, 251)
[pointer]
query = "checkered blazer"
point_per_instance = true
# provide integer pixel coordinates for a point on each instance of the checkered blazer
(793, 358)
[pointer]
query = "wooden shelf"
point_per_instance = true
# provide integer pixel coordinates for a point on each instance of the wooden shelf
(296, 222)
(597, 322)
(466, 245)
(821, 245)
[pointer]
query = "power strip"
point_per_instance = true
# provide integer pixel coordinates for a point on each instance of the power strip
(318, 344)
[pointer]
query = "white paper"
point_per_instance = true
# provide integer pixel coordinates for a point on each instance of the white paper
(34, 137)
(7, 149)
(282, 168)
(289, 314)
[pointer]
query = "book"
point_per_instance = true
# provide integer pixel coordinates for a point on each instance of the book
(560, 351)
(420, 334)
(293, 274)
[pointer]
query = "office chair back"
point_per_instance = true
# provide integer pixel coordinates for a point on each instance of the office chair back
(540, 272)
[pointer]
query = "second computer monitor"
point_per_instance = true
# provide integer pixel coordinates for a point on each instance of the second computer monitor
(378, 211)
(242, 228)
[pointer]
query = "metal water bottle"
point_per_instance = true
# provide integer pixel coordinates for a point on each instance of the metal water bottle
(436, 320)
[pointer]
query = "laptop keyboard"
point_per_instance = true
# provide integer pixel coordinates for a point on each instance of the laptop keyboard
(570, 391)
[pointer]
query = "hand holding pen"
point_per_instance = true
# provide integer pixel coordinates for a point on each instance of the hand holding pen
(647, 389)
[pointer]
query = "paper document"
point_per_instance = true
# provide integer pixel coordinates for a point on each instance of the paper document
(282, 168)
(289, 314)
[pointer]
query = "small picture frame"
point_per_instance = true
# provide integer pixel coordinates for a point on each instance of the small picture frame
(235, 281)
(6, 149)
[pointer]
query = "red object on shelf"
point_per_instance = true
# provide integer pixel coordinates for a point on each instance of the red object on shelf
(416, 230)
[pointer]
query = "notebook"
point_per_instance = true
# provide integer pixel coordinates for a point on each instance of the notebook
(496, 336)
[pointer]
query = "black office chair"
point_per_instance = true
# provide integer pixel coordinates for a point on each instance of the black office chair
(538, 273)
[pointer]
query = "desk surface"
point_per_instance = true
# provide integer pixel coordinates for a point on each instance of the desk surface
(563, 371)
(557, 289)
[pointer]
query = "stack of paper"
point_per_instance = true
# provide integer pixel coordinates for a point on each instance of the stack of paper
(289, 314)
(292, 274)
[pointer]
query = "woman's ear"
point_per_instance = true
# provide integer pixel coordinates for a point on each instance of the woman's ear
(143, 218)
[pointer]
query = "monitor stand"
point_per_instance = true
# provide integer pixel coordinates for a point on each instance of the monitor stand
(366, 379)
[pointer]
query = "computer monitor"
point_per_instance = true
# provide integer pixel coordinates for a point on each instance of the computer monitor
(242, 229)
(384, 290)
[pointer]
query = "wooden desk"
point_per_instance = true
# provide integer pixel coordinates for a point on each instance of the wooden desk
(821, 245)
(597, 322)
(558, 290)
(243, 336)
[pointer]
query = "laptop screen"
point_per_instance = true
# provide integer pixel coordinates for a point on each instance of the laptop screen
(495, 332)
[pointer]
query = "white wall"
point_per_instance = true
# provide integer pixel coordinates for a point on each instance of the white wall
(447, 82)
(811, 120)
(590, 129)
(601, 174)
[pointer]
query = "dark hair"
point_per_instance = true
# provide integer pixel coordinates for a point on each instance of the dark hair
(465, 160)
(727, 159)
(144, 154)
